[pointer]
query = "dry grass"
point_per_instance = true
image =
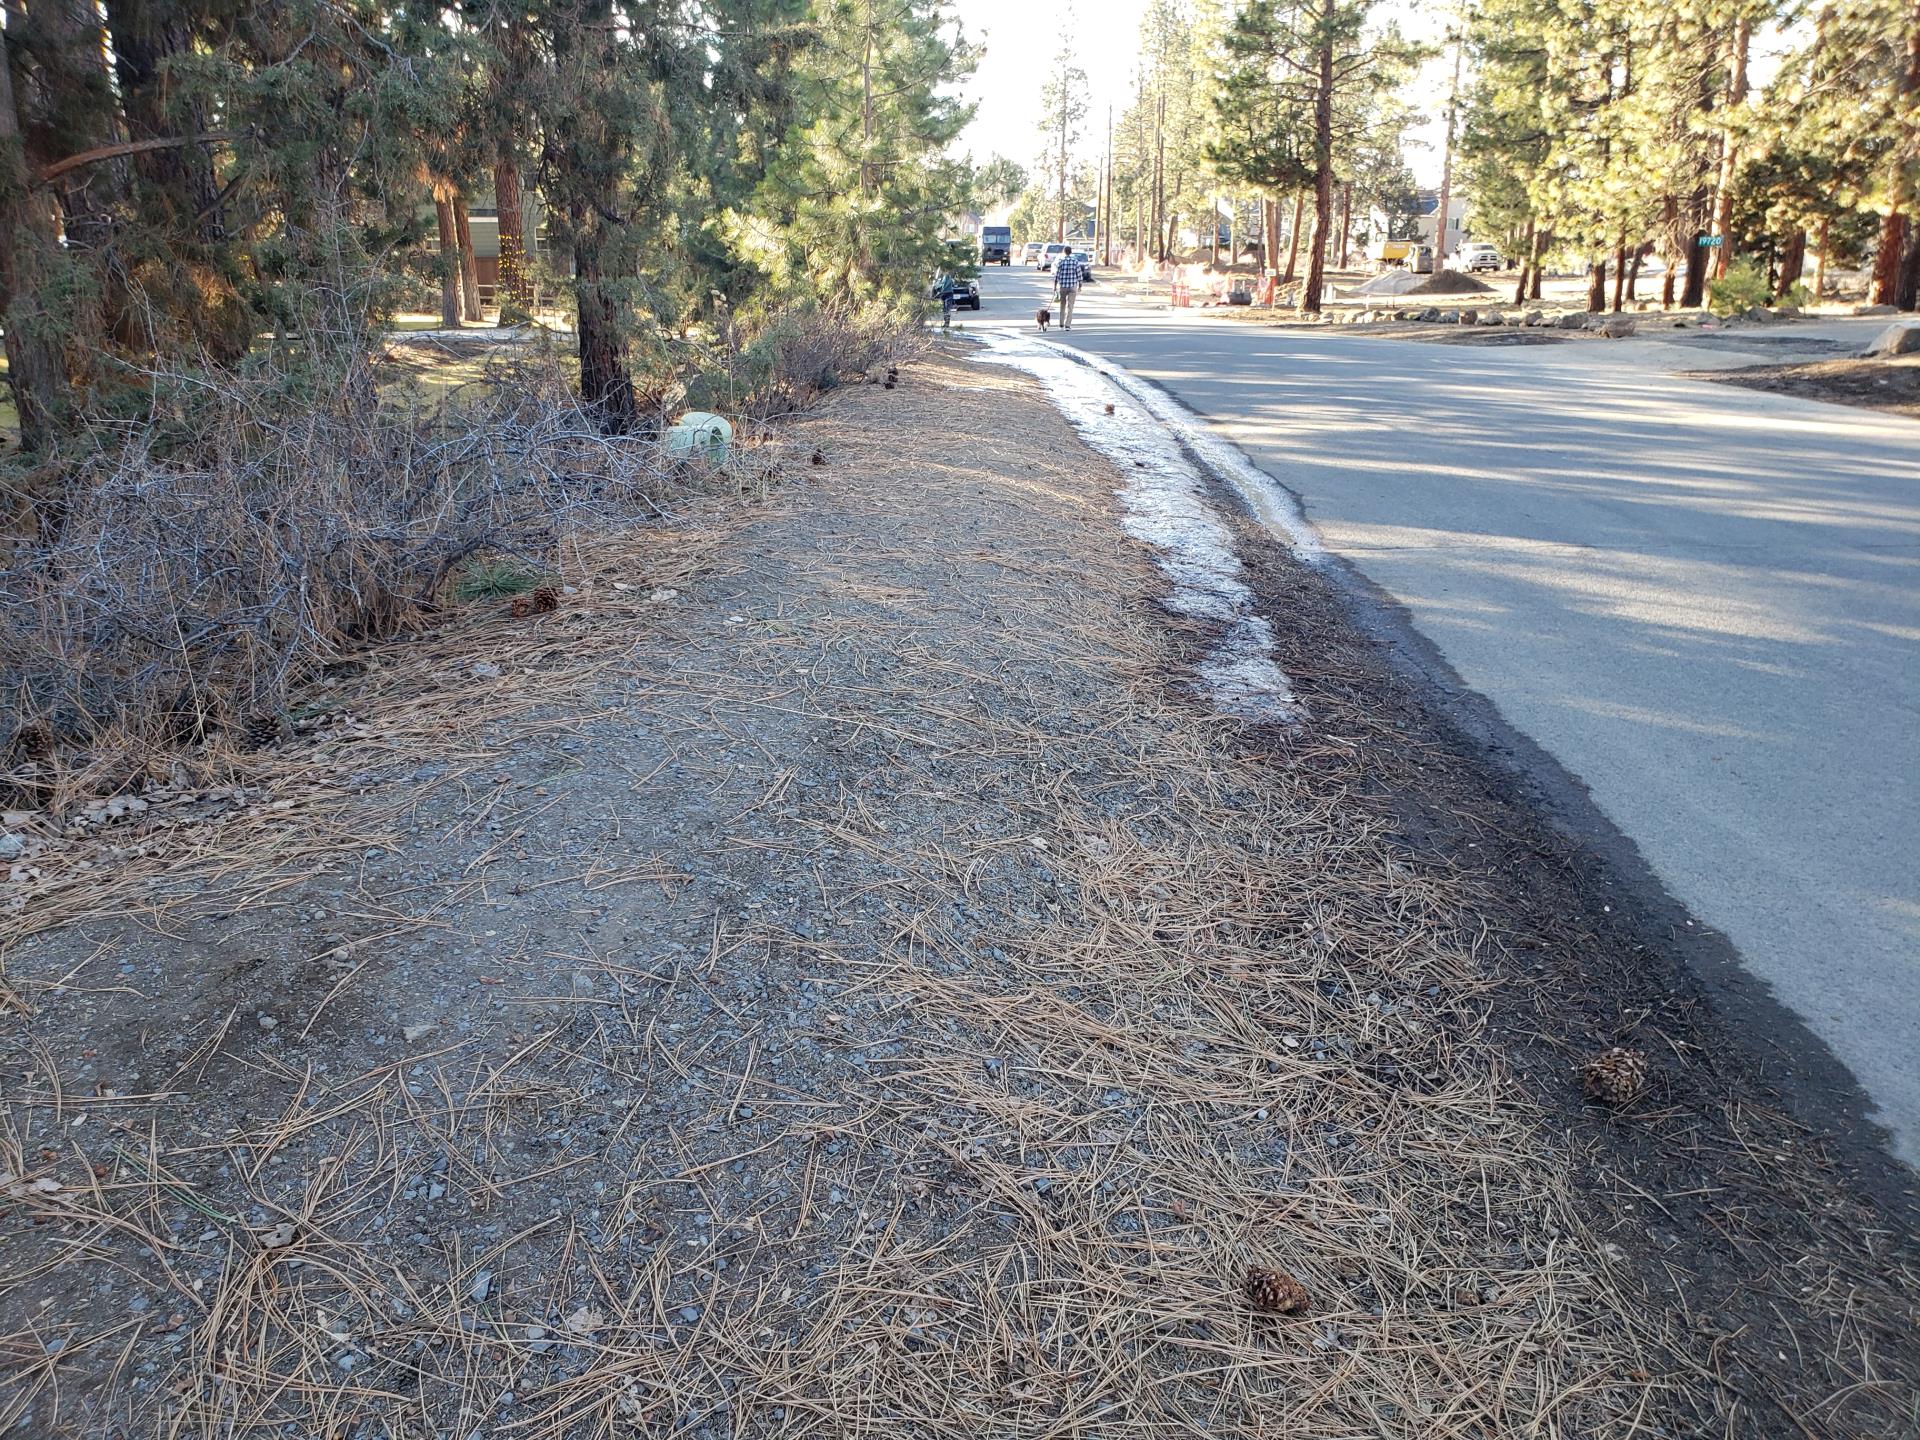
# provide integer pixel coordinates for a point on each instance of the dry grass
(221, 817)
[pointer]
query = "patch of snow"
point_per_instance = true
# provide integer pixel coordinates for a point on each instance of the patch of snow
(1165, 505)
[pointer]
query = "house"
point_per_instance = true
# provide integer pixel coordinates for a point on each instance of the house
(483, 223)
(1427, 206)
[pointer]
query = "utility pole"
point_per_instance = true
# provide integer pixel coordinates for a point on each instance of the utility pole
(1446, 159)
(1106, 218)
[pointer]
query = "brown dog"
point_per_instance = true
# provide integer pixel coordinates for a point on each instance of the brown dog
(1043, 317)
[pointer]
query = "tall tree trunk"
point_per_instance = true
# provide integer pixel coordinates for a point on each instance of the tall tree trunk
(1820, 261)
(515, 282)
(1695, 293)
(1730, 148)
(1619, 272)
(1597, 285)
(1893, 229)
(1346, 220)
(1906, 294)
(178, 182)
(1671, 243)
(1213, 239)
(1886, 261)
(469, 267)
(1293, 236)
(1322, 167)
(449, 263)
(36, 372)
(64, 105)
(1526, 266)
(1540, 243)
(1793, 259)
(606, 389)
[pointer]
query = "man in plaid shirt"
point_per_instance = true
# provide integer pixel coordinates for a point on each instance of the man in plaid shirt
(1069, 274)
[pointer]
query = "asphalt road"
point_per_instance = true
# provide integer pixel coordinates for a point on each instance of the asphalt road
(1702, 601)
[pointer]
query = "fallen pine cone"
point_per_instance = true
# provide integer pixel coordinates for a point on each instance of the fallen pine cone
(520, 607)
(1614, 1076)
(263, 730)
(1109, 407)
(34, 742)
(546, 600)
(1275, 1291)
(819, 457)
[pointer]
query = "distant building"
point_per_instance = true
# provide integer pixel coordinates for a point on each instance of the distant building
(1427, 206)
(483, 224)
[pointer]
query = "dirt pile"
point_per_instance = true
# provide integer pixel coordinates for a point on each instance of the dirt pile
(1390, 282)
(1451, 282)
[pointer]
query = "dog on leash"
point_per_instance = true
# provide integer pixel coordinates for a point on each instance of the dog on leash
(1043, 317)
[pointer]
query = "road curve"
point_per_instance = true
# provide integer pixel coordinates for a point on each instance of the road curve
(1702, 601)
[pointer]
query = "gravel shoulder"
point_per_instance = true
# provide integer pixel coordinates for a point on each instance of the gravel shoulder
(836, 977)
(1891, 385)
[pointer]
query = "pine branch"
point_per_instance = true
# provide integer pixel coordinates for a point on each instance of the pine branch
(120, 150)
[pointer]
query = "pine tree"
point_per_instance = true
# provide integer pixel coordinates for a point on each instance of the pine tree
(1326, 69)
(855, 202)
(1063, 106)
(1258, 129)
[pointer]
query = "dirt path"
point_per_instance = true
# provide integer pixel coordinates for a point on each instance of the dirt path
(838, 977)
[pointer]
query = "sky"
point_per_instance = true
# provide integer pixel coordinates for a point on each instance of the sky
(1021, 40)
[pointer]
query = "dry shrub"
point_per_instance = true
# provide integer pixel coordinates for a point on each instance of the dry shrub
(220, 550)
(784, 362)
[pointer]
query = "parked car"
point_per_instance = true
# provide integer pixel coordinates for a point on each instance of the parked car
(1478, 256)
(1030, 252)
(966, 293)
(1051, 253)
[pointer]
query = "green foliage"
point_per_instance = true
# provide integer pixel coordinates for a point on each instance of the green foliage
(854, 203)
(960, 259)
(1608, 125)
(1743, 286)
(997, 182)
(1261, 134)
(493, 579)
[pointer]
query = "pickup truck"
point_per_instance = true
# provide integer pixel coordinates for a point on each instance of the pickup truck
(966, 293)
(996, 245)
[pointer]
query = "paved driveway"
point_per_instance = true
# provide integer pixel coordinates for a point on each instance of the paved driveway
(1702, 601)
